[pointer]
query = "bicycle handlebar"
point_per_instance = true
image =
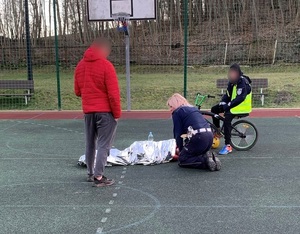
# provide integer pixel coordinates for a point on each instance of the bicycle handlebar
(207, 96)
(201, 98)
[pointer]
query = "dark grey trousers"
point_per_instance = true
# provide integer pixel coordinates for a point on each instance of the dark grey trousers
(100, 129)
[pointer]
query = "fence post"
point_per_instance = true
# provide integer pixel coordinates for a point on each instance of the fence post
(28, 42)
(56, 57)
(127, 55)
(275, 52)
(225, 57)
(185, 46)
(3, 57)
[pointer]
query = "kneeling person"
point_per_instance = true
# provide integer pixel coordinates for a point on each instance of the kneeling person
(188, 120)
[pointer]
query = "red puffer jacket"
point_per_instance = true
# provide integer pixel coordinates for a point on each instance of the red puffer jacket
(96, 83)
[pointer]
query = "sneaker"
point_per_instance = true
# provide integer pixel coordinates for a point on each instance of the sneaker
(211, 165)
(217, 161)
(103, 182)
(226, 150)
(90, 178)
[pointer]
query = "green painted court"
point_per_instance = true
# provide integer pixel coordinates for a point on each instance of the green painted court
(42, 189)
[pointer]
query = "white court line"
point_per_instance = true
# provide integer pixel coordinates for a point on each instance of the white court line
(19, 122)
(108, 210)
(44, 125)
(53, 206)
(155, 208)
(26, 152)
(111, 202)
(36, 158)
(237, 157)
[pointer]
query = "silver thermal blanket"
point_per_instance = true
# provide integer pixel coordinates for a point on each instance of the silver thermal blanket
(140, 152)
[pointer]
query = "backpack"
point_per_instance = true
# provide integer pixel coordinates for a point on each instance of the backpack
(248, 82)
(248, 79)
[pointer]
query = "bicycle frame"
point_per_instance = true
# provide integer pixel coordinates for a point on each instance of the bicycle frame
(221, 118)
(200, 100)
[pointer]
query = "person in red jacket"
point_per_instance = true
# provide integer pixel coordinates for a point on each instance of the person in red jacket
(96, 83)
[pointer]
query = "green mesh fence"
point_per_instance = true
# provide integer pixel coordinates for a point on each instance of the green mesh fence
(262, 36)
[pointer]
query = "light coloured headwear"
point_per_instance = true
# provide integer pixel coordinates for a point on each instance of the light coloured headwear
(177, 101)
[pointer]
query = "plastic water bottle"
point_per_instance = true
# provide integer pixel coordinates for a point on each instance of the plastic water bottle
(150, 137)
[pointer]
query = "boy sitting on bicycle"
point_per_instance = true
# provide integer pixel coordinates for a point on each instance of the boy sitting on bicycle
(237, 100)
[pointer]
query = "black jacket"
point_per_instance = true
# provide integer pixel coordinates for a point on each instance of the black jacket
(186, 116)
(243, 89)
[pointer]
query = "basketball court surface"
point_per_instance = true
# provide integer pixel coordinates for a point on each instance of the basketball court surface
(42, 189)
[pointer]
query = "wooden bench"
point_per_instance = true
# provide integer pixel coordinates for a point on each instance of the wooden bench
(258, 87)
(26, 85)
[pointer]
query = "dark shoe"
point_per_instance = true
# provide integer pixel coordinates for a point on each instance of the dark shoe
(217, 161)
(103, 182)
(211, 164)
(90, 178)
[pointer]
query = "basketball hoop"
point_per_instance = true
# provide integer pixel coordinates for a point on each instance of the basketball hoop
(121, 12)
(122, 20)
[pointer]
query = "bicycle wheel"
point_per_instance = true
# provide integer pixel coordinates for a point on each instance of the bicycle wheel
(243, 135)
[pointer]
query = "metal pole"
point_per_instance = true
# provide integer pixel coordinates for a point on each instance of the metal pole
(28, 43)
(185, 46)
(127, 42)
(56, 57)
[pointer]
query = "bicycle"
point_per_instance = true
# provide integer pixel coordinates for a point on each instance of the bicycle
(244, 134)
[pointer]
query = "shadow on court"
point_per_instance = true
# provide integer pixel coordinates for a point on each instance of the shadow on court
(43, 191)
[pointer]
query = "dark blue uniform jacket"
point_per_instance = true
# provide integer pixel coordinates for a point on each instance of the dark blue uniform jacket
(243, 89)
(186, 116)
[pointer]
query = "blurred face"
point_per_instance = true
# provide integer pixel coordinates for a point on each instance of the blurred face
(233, 76)
(171, 108)
(106, 49)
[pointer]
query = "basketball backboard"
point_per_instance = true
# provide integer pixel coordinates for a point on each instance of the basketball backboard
(104, 10)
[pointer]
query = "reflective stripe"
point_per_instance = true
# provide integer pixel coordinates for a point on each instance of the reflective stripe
(201, 130)
(245, 107)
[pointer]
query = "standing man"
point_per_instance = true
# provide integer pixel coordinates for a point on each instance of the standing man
(237, 100)
(96, 83)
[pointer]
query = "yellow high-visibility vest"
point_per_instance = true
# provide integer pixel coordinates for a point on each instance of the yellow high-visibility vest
(245, 107)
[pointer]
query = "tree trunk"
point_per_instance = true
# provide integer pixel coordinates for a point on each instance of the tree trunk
(275, 19)
(228, 21)
(79, 22)
(254, 22)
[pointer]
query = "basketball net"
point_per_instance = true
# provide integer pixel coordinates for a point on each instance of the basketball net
(122, 20)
